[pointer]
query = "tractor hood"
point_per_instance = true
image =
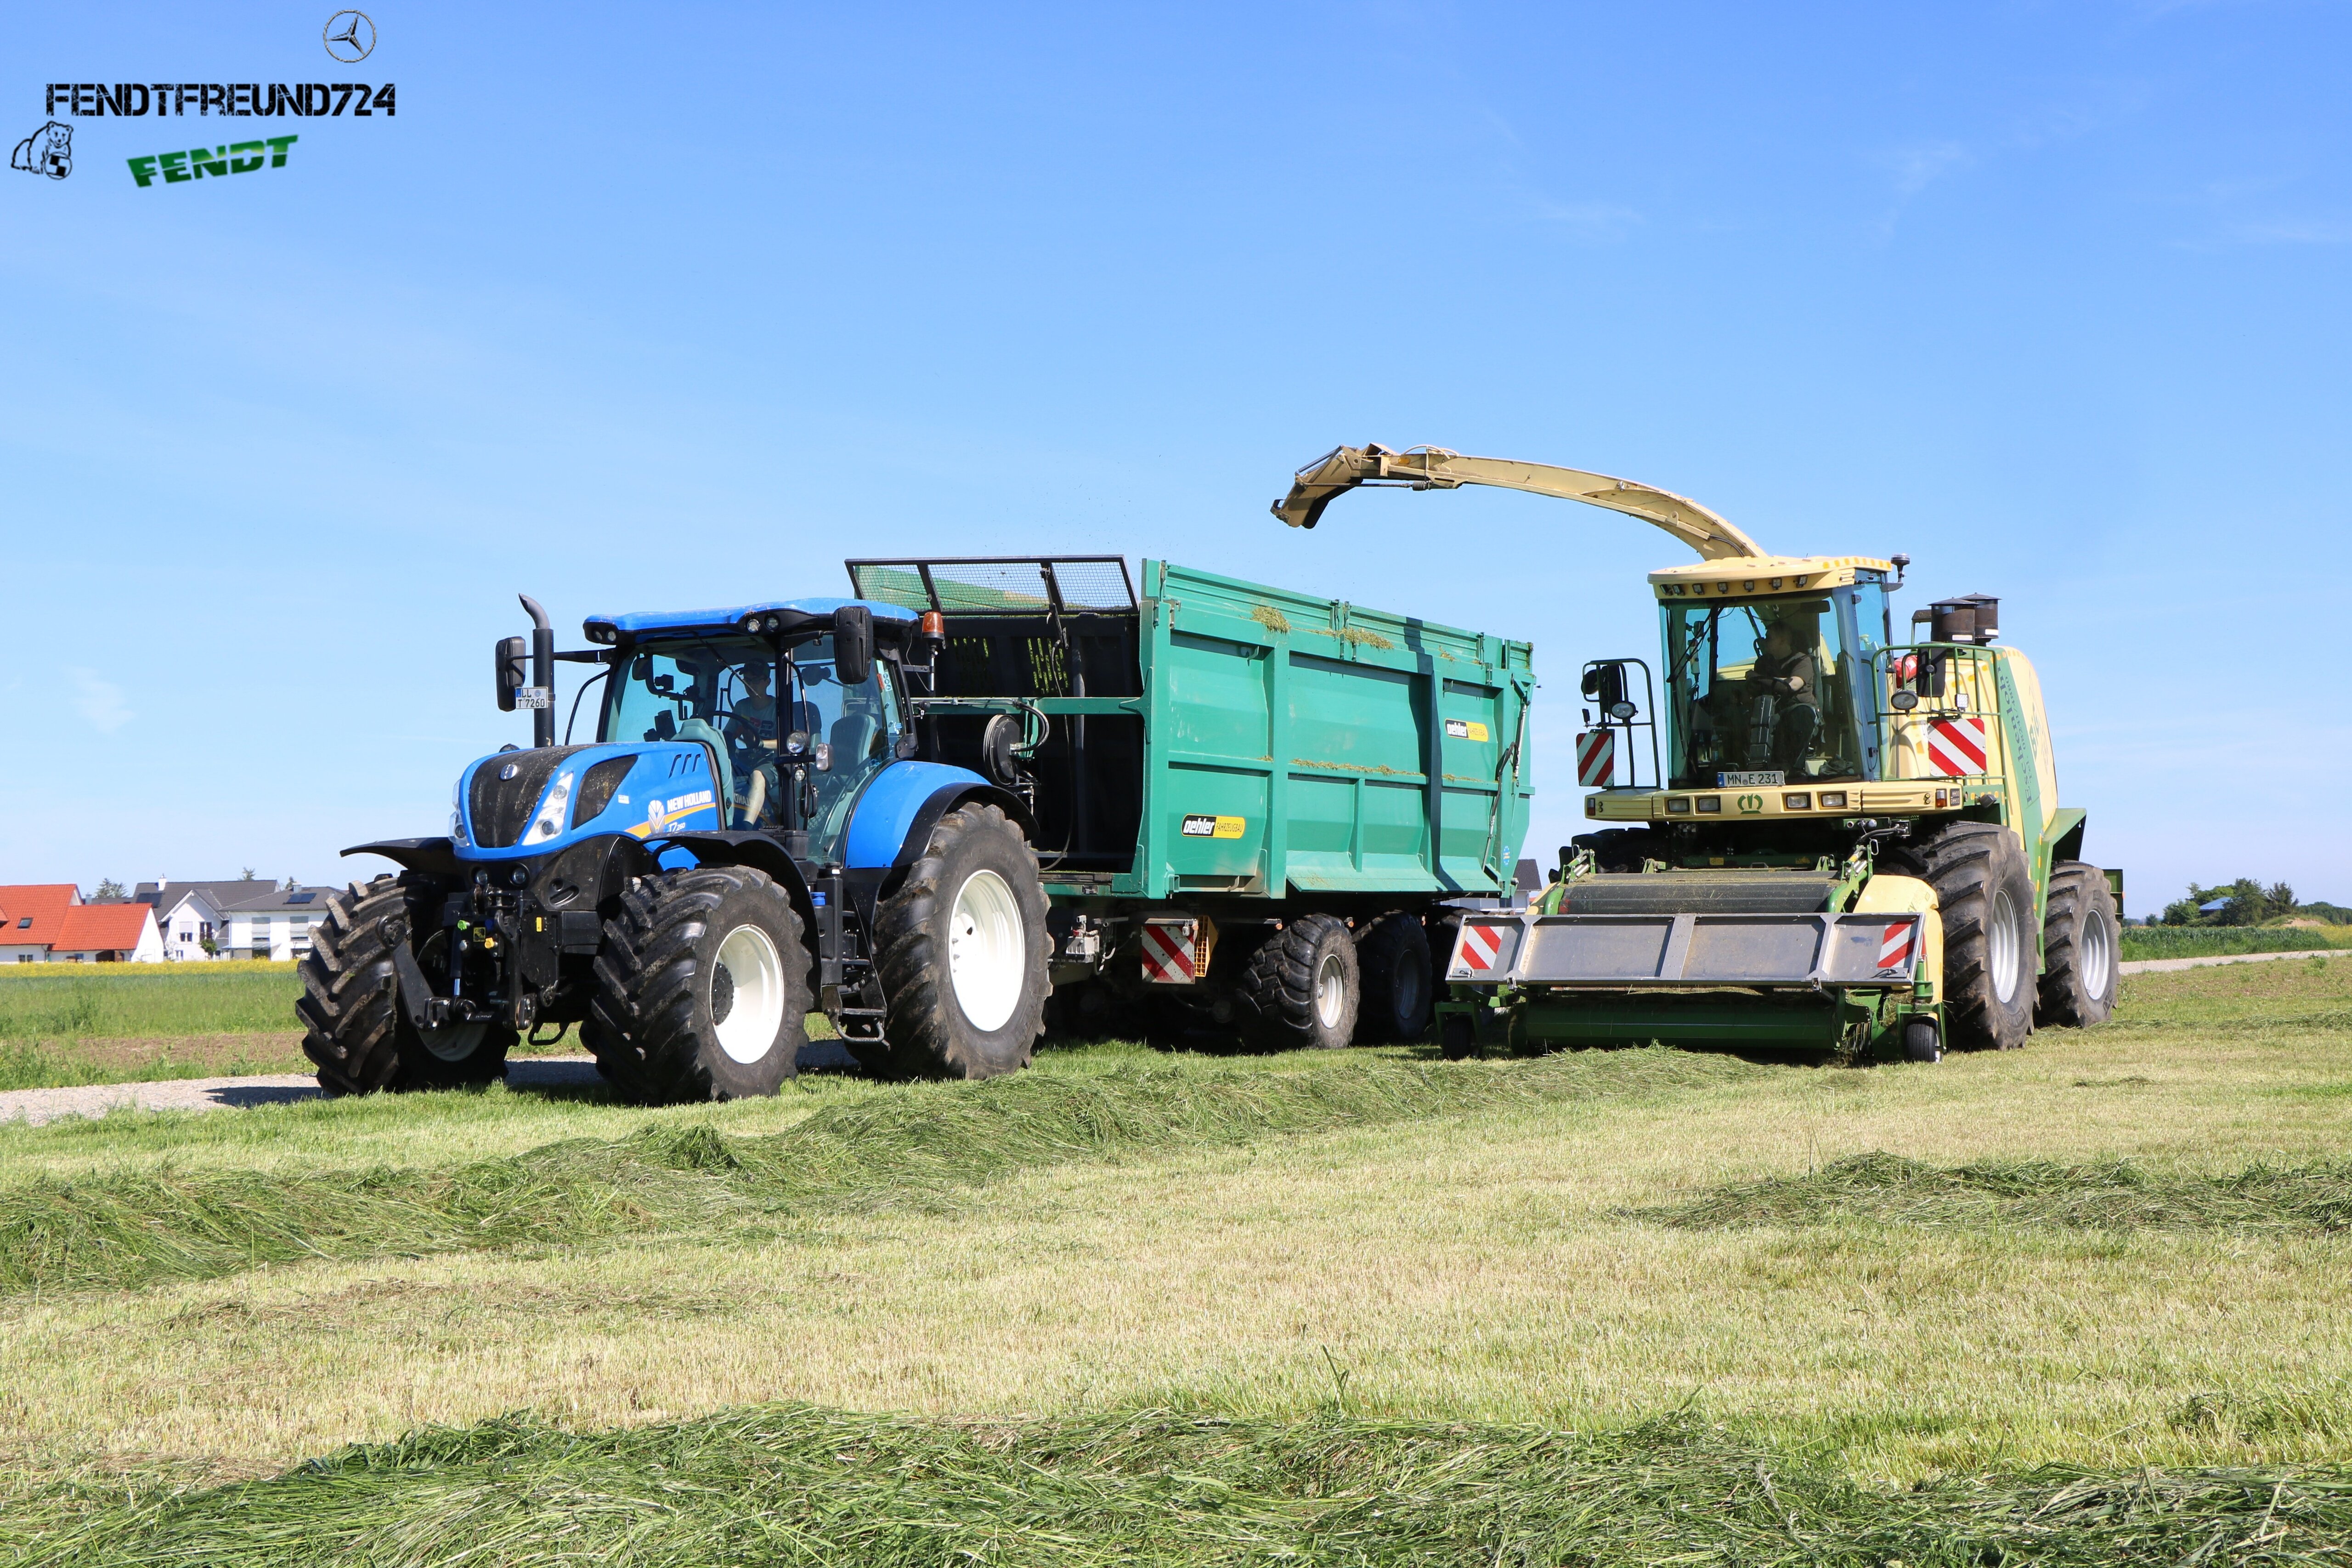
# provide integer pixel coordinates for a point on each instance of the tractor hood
(511, 805)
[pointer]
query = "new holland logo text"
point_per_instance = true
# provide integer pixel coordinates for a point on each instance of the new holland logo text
(130, 99)
(236, 158)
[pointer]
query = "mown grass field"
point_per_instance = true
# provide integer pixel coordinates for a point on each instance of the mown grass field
(2079, 1303)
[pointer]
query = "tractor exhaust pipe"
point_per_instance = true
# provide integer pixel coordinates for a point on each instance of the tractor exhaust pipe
(542, 673)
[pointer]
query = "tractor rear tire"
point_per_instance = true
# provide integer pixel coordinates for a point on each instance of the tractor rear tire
(1392, 957)
(702, 988)
(962, 947)
(1303, 987)
(2080, 933)
(1985, 895)
(356, 1033)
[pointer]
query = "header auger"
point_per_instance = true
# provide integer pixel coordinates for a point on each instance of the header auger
(1845, 842)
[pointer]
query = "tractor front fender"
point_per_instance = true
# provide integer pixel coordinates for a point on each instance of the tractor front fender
(434, 856)
(759, 852)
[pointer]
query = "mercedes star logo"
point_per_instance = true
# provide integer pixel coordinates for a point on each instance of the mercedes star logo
(350, 36)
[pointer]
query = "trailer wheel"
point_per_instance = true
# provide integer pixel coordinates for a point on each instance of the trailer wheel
(1303, 986)
(962, 948)
(2079, 939)
(355, 1032)
(1986, 898)
(701, 987)
(1393, 956)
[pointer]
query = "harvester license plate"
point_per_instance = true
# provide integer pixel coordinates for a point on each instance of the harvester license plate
(1772, 780)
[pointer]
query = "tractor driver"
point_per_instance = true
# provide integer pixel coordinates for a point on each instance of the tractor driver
(751, 734)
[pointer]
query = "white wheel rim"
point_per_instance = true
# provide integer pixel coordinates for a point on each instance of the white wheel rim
(749, 1008)
(2098, 959)
(1330, 990)
(2002, 946)
(453, 1042)
(987, 956)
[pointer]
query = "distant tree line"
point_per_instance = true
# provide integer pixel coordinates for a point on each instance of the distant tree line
(2246, 902)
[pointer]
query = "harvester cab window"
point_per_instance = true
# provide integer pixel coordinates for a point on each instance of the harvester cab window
(1761, 686)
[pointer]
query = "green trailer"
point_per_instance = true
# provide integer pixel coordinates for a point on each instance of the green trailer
(1248, 804)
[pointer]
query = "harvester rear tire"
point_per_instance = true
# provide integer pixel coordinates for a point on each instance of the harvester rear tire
(1985, 895)
(1393, 956)
(1303, 987)
(356, 1033)
(962, 951)
(2079, 935)
(702, 988)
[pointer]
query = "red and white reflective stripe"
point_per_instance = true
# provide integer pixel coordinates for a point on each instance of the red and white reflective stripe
(1479, 946)
(1168, 955)
(1895, 944)
(1956, 747)
(1596, 759)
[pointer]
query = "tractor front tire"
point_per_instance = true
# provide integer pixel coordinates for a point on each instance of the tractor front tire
(702, 988)
(356, 1032)
(2079, 934)
(1985, 895)
(1304, 986)
(962, 947)
(1393, 956)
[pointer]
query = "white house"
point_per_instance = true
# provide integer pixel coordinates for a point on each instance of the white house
(234, 920)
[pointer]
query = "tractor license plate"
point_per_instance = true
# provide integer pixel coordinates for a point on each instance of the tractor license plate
(1772, 780)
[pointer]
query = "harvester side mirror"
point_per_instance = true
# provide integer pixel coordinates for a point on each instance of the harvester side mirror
(513, 672)
(853, 644)
(1605, 684)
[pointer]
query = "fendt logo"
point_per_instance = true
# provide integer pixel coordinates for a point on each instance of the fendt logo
(48, 151)
(234, 158)
(350, 37)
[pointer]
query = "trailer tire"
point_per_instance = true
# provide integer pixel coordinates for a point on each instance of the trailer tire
(355, 1032)
(1303, 987)
(2080, 933)
(962, 950)
(701, 987)
(1985, 895)
(1392, 957)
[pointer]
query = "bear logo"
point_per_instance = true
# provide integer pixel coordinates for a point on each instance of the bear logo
(48, 151)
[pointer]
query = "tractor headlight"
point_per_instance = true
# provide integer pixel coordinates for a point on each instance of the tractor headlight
(550, 821)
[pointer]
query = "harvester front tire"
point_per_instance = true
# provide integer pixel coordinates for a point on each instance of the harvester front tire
(2079, 934)
(1303, 987)
(355, 1031)
(962, 950)
(1986, 896)
(1393, 956)
(702, 988)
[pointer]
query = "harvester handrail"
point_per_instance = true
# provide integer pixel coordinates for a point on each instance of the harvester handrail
(1344, 469)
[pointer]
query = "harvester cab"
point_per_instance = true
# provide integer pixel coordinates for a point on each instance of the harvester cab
(1816, 835)
(747, 836)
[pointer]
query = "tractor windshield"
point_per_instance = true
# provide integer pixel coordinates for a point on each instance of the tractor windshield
(1764, 687)
(792, 751)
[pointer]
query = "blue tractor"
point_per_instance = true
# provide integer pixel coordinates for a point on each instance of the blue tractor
(750, 836)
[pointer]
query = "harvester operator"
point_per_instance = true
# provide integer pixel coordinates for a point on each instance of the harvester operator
(1781, 691)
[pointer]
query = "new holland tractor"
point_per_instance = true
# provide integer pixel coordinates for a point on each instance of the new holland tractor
(749, 837)
(1845, 842)
(924, 810)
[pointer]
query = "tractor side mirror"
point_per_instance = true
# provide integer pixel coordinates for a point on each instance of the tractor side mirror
(513, 671)
(666, 724)
(853, 644)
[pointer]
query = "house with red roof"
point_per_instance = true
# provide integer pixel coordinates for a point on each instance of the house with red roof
(47, 922)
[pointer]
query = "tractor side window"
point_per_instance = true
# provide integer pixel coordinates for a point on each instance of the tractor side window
(860, 724)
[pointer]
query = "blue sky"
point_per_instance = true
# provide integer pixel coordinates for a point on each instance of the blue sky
(644, 307)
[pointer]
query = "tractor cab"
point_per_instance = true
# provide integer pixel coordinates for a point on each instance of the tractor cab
(791, 703)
